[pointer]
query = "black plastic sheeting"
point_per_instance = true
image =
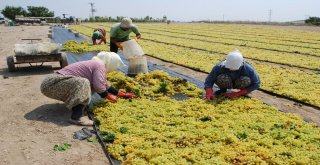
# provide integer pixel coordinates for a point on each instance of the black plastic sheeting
(62, 35)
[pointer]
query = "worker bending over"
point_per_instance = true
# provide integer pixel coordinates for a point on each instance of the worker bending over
(232, 73)
(75, 83)
(120, 32)
(99, 34)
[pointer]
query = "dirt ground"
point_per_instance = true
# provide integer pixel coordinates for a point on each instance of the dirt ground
(31, 124)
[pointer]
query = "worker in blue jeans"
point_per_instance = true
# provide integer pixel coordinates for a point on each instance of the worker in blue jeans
(232, 73)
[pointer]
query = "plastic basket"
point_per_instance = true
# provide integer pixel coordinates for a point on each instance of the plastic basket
(137, 65)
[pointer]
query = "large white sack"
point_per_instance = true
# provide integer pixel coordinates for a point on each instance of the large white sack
(131, 49)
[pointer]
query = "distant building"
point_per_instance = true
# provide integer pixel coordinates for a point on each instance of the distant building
(22, 19)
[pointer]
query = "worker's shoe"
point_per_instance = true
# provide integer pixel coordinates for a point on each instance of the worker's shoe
(83, 121)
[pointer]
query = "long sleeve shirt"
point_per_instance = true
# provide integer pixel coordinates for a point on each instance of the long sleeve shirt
(93, 70)
(245, 70)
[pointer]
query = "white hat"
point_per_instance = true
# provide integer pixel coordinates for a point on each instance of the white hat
(234, 60)
(112, 60)
(126, 23)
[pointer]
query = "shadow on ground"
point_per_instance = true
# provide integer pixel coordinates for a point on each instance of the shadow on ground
(28, 71)
(53, 113)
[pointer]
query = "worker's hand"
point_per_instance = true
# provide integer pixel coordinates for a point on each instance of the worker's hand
(242, 92)
(209, 94)
(138, 36)
(119, 45)
(111, 98)
(100, 42)
(126, 95)
(94, 43)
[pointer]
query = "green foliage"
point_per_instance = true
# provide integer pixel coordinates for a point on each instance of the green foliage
(162, 88)
(242, 136)
(39, 11)
(62, 147)
(313, 21)
(32, 11)
(124, 130)
(109, 137)
(92, 139)
(11, 12)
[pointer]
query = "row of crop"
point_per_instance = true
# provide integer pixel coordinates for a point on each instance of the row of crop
(308, 62)
(275, 57)
(194, 131)
(252, 41)
(282, 35)
(255, 38)
(291, 83)
(250, 44)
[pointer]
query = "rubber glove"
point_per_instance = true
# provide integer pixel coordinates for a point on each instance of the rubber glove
(242, 92)
(209, 94)
(126, 95)
(94, 42)
(111, 97)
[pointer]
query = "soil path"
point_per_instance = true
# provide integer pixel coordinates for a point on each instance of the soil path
(31, 124)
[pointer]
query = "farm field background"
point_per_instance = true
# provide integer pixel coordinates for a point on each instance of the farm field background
(238, 131)
(286, 60)
(158, 129)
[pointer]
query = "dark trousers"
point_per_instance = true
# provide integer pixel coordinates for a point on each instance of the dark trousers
(77, 112)
(113, 47)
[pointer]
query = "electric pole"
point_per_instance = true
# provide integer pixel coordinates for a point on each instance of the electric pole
(270, 14)
(92, 9)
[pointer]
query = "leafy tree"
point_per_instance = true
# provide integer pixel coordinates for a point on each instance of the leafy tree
(39, 11)
(313, 20)
(11, 12)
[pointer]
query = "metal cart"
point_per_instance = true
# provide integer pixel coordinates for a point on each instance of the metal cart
(12, 60)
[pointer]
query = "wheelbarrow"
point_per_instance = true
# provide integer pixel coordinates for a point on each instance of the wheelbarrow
(36, 53)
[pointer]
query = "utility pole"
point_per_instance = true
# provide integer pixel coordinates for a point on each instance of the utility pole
(222, 17)
(92, 9)
(270, 14)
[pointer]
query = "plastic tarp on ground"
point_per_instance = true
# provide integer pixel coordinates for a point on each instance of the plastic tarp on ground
(62, 35)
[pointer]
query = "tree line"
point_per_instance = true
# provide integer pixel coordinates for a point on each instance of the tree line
(313, 21)
(39, 11)
(32, 11)
(118, 19)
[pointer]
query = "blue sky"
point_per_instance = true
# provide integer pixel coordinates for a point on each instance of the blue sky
(182, 10)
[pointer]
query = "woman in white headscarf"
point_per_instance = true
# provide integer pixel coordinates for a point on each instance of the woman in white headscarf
(74, 84)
